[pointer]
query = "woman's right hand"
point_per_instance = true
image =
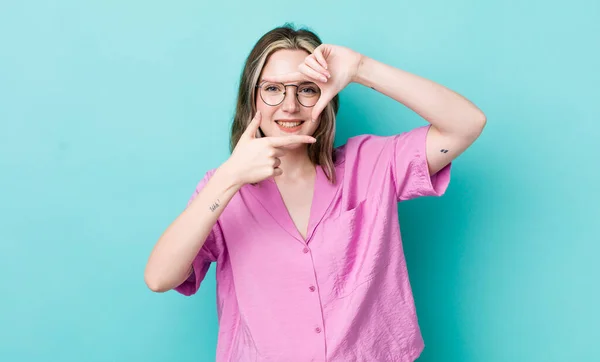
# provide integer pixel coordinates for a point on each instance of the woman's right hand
(255, 159)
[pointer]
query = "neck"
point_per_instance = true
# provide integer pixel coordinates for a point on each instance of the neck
(296, 165)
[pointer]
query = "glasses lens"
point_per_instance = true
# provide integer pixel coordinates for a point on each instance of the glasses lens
(308, 94)
(272, 93)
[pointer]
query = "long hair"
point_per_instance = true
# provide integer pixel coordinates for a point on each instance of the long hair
(284, 37)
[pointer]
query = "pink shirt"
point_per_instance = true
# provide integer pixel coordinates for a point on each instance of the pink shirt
(344, 293)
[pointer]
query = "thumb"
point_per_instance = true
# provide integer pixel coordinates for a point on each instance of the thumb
(320, 106)
(253, 126)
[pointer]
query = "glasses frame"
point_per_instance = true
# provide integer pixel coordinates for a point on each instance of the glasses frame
(258, 86)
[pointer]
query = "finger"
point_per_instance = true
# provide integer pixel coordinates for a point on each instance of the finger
(318, 53)
(276, 162)
(288, 77)
(312, 63)
(252, 128)
(277, 152)
(316, 76)
(277, 171)
(290, 140)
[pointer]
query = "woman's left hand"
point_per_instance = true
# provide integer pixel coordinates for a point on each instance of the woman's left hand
(332, 68)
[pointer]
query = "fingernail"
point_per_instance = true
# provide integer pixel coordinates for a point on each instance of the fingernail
(324, 79)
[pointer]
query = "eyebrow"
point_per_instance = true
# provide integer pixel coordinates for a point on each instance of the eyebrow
(264, 80)
(292, 83)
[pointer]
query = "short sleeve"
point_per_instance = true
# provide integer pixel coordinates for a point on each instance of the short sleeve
(210, 251)
(410, 168)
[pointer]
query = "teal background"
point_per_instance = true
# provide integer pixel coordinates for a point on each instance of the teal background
(111, 111)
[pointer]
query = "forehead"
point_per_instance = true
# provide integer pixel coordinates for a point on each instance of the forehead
(284, 61)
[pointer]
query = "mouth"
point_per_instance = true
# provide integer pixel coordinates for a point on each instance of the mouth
(290, 126)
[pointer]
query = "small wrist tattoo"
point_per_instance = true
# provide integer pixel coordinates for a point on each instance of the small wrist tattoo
(444, 150)
(214, 206)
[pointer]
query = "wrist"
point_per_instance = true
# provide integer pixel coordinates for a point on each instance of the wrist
(362, 71)
(228, 177)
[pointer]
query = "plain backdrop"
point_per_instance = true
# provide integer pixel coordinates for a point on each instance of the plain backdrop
(111, 112)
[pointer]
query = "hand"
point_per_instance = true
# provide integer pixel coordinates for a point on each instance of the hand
(331, 67)
(255, 159)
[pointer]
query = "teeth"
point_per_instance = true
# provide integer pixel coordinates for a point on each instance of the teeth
(289, 124)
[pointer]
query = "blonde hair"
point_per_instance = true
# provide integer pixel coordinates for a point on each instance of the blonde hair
(284, 37)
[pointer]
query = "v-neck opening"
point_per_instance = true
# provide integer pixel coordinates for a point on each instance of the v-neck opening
(310, 211)
(267, 193)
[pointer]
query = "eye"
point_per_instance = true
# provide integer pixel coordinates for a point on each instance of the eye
(272, 88)
(309, 89)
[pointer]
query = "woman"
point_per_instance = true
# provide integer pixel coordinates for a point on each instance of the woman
(305, 237)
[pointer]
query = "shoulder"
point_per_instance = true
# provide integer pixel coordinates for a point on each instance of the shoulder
(367, 152)
(363, 145)
(375, 143)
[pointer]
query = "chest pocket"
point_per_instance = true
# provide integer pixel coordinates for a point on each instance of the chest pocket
(356, 248)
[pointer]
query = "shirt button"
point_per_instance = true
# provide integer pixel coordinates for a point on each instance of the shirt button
(305, 250)
(318, 330)
(312, 288)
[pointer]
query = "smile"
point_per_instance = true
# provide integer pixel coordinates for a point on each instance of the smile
(287, 124)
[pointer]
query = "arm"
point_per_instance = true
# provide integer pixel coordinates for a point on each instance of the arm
(456, 122)
(170, 261)
(252, 160)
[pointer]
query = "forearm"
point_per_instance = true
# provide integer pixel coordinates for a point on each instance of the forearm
(447, 110)
(172, 256)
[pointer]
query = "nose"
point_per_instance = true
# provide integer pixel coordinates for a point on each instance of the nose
(290, 103)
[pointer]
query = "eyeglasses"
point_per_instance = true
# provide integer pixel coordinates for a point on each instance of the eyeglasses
(273, 94)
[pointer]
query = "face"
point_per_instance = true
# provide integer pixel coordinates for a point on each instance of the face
(281, 119)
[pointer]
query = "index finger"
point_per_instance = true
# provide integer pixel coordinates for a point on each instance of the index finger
(320, 58)
(288, 77)
(290, 140)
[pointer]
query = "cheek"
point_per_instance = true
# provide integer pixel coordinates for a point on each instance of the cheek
(314, 125)
(265, 111)
(266, 123)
